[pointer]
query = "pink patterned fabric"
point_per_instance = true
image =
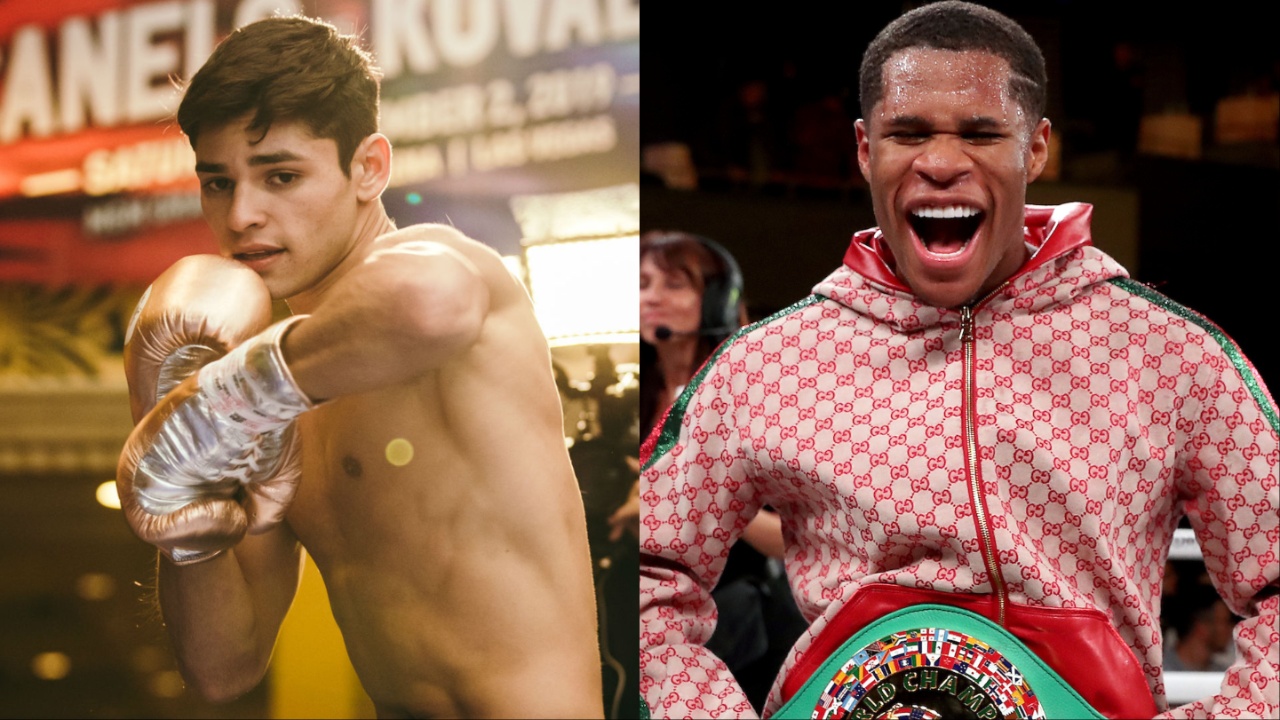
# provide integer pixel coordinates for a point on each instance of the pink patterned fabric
(1103, 413)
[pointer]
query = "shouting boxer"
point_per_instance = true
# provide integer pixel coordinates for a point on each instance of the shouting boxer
(979, 434)
(402, 425)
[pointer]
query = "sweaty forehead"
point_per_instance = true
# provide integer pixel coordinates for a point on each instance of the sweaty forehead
(930, 79)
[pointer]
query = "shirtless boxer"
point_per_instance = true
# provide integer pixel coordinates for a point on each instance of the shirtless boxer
(403, 426)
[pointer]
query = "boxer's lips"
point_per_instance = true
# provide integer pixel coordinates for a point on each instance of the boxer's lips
(257, 257)
(945, 230)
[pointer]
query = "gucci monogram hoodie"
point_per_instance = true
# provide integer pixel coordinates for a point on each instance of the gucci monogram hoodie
(1027, 457)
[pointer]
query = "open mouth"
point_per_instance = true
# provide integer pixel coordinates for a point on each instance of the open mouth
(945, 230)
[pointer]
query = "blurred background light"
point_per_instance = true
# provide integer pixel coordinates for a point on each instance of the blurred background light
(582, 258)
(586, 291)
(107, 495)
(166, 684)
(95, 586)
(51, 665)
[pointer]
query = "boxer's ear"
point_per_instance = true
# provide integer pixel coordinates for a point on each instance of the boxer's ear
(371, 167)
(862, 135)
(1038, 149)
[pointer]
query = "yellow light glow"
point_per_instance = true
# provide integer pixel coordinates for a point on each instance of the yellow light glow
(107, 496)
(630, 338)
(585, 290)
(166, 684)
(399, 452)
(51, 183)
(95, 586)
(51, 665)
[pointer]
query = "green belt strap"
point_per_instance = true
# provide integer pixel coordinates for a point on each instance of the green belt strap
(899, 690)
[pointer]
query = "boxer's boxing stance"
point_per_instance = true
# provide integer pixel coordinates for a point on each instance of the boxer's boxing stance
(403, 426)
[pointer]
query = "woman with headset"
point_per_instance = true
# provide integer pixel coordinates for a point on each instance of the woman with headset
(690, 302)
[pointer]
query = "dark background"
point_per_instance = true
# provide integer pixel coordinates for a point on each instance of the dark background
(778, 183)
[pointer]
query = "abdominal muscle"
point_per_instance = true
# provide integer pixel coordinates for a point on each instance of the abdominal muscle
(461, 579)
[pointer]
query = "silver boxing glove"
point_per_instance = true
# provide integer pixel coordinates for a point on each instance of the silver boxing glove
(204, 466)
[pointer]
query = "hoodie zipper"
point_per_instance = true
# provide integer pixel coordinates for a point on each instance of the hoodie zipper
(985, 536)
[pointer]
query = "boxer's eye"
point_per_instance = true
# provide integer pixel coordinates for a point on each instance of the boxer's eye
(982, 138)
(282, 178)
(908, 137)
(215, 185)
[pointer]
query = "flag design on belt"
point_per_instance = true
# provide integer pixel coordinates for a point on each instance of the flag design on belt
(921, 649)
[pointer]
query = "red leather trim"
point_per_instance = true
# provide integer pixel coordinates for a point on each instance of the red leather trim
(1057, 229)
(869, 257)
(1051, 229)
(1080, 644)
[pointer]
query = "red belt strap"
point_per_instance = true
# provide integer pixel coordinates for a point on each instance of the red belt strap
(1080, 644)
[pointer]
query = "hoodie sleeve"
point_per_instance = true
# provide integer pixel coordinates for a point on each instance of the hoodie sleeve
(696, 497)
(1228, 481)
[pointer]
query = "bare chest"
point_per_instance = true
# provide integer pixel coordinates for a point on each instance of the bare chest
(368, 466)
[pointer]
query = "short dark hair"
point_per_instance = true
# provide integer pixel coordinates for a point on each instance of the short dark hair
(287, 68)
(959, 26)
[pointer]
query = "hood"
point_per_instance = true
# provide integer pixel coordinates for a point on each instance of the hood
(1062, 263)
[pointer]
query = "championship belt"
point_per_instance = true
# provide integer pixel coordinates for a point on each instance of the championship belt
(933, 662)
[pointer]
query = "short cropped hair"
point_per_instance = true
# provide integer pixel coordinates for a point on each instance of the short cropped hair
(959, 26)
(287, 69)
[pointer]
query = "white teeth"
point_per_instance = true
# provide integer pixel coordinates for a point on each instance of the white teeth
(948, 212)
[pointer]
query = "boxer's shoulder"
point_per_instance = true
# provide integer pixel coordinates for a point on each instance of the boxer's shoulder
(430, 240)
(426, 238)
